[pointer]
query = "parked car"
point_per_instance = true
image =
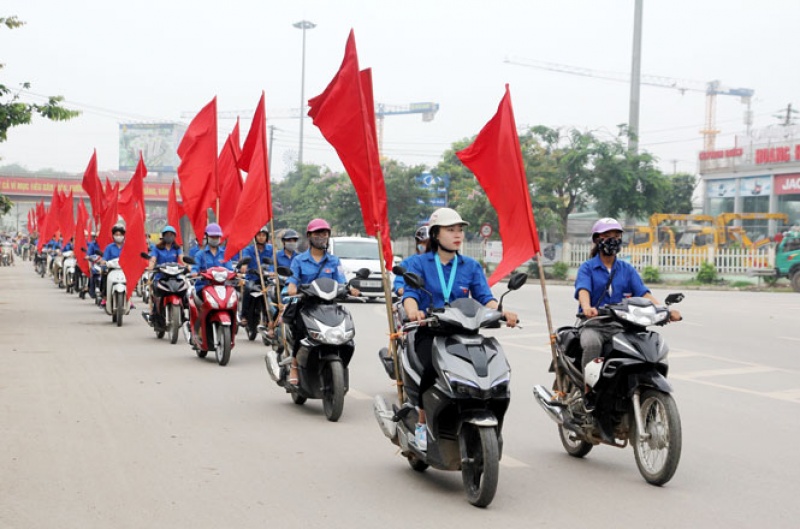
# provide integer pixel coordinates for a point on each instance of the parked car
(356, 253)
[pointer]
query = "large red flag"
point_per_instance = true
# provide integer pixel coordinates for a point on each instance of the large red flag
(30, 221)
(50, 225)
(198, 168)
(495, 159)
(130, 259)
(174, 213)
(93, 187)
(344, 113)
(110, 217)
(80, 237)
(133, 193)
(230, 179)
(255, 204)
(66, 218)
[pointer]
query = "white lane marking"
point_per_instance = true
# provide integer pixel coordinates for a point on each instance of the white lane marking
(358, 395)
(510, 462)
(683, 354)
(731, 371)
(527, 336)
(786, 396)
(789, 338)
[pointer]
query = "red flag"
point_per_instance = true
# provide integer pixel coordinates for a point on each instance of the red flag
(41, 214)
(344, 113)
(174, 213)
(198, 168)
(50, 225)
(30, 222)
(133, 193)
(66, 218)
(230, 179)
(93, 187)
(80, 238)
(130, 259)
(255, 205)
(110, 217)
(495, 159)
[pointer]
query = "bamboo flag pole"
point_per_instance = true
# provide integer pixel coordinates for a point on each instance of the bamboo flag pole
(387, 294)
(549, 318)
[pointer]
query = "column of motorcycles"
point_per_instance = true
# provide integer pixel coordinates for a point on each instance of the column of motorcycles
(630, 402)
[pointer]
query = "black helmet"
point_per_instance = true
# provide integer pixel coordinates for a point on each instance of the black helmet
(290, 234)
(422, 233)
(118, 228)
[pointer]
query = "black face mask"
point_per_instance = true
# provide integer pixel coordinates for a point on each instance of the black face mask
(609, 246)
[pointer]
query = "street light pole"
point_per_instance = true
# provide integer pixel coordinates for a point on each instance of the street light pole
(636, 76)
(304, 25)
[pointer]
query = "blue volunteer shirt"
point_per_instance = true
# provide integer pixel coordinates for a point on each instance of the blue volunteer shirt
(204, 260)
(112, 251)
(399, 282)
(169, 254)
(469, 280)
(93, 248)
(67, 247)
(593, 277)
(306, 269)
(252, 266)
(285, 260)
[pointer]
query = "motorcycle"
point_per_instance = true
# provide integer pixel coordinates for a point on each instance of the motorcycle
(6, 254)
(40, 263)
(117, 302)
(631, 397)
(169, 298)
(466, 406)
(323, 347)
(68, 270)
(212, 313)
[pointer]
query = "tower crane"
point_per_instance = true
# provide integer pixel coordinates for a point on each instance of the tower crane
(712, 89)
(427, 109)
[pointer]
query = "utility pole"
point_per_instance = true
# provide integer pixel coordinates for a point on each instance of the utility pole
(636, 75)
(303, 25)
(271, 130)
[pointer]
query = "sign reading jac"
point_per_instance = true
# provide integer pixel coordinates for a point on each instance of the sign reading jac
(787, 184)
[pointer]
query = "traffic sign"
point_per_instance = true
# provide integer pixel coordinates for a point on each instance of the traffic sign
(486, 230)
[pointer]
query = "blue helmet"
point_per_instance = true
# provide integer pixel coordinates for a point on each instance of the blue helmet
(168, 229)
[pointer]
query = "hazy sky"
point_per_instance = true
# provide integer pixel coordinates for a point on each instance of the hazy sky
(152, 60)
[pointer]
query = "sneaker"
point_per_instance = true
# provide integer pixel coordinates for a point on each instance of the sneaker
(102, 303)
(421, 437)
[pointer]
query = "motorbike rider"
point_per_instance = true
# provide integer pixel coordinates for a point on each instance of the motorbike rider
(92, 252)
(289, 240)
(447, 275)
(313, 264)
(111, 252)
(208, 257)
(603, 279)
(166, 251)
(421, 237)
(258, 251)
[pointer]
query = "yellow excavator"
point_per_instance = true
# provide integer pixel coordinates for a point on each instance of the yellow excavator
(736, 234)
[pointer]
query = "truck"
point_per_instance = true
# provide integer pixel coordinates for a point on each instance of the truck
(787, 259)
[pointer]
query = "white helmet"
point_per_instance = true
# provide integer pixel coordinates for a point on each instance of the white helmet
(591, 373)
(446, 217)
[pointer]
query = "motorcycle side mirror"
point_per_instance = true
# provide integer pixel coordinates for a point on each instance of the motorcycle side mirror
(674, 298)
(243, 262)
(414, 280)
(362, 273)
(144, 255)
(285, 271)
(398, 270)
(517, 280)
(266, 261)
(188, 260)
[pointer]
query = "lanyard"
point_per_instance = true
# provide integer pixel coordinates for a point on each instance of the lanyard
(448, 288)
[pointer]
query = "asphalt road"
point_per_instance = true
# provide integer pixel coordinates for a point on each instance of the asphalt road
(110, 427)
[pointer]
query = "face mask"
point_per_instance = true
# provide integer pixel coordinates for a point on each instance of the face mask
(213, 241)
(169, 238)
(119, 239)
(320, 243)
(290, 246)
(421, 248)
(610, 246)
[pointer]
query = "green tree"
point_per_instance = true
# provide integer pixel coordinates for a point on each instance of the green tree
(14, 112)
(678, 198)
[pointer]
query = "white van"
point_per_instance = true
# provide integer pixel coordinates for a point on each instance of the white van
(356, 253)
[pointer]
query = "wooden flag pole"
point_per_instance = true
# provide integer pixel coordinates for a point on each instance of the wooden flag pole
(550, 332)
(263, 286)
(387, 294)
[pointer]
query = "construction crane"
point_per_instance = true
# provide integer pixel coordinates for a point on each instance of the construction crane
(427, 109)
(712, 89)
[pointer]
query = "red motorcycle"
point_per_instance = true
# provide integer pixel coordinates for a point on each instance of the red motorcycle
(212, 314)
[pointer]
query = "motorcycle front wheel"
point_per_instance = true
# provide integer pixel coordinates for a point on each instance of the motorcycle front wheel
(333, 396)
(174, 323)
(658, 448)
(222, 348)
(480, 467)
(119, 300)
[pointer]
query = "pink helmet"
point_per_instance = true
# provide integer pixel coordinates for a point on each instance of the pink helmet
(214, 230)
(604, 225)
(317, 225)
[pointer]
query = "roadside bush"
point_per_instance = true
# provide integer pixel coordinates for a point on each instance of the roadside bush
(707, 273)
(650, 274)
(560, 270)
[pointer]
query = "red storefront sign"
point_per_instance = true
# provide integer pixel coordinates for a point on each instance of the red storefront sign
(787, 184)
(43, 187)
(716, 155)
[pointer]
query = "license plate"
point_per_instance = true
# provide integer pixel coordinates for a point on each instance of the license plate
(370, 284)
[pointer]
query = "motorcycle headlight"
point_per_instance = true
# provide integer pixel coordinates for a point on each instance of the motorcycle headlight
(461, 386)
(219, 277)
(500, 387)
(210, 300)
(332, 335)
(643, 316)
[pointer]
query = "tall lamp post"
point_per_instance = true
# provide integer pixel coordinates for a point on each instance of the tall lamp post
(304, 25)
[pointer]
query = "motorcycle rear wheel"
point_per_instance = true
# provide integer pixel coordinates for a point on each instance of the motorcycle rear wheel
(333, 397)
(222, 349)
(175, 318)
(658, 455)
(574, 447)
(119, 300)
(481, 472)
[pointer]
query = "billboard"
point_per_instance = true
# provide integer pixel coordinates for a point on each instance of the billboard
(20, 186)
(721, 188)
(158, 143)
(755, 186)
